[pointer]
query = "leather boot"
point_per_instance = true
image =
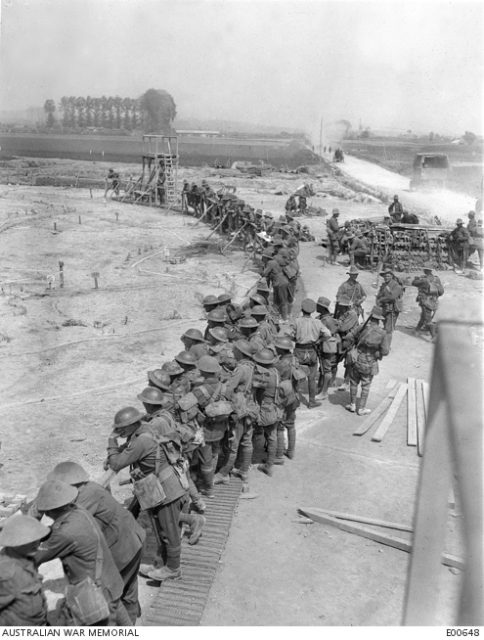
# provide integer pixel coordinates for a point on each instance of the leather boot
(291, 443)
(281, 444)
(326, 381)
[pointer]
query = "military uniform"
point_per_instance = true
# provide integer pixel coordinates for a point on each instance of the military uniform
(285, 367)
(332, 228)
(429, 289)
(265, 430)
(141, 453)
(274, 273)
(329, 353)
(389, 299)
(22, 601)
(355, 293)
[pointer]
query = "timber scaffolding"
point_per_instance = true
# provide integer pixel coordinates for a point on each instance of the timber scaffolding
(158, 182)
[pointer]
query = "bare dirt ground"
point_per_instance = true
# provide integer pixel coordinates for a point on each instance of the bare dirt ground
(73, 356)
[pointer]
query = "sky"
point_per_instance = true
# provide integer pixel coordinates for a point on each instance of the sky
(403, 65)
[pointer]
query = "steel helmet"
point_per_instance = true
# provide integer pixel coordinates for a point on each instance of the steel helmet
(217, 315)
(54, 494)
(258, 299)
(262, 286)
(308, 305)
(69, 472)
(336, 212)
(248, 323)
(185, 357)
(377, 313)
(171, 368)
(151, 395)
(160, 379)
(224, 298)
(459, 221)
(126, 417)
(244, 347)
(219, 333)
(259, 310)
(323, 302)
(194, 334)
(207, 364)
(210, 301)
(265, 357)
(19, 530)
(268, 214)
(284, 343)
(278, 242)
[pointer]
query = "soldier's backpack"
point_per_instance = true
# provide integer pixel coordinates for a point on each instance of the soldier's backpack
(243, 401)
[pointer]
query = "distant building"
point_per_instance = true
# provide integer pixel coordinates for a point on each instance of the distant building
(198, 133)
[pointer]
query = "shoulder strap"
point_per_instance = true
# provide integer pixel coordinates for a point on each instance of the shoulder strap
(99, 553)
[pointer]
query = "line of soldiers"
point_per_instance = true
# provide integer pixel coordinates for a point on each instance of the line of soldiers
(463, 241)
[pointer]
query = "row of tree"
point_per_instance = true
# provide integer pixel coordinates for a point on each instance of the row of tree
(154, 111)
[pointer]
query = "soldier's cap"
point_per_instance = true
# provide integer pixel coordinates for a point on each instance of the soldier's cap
(54, 494)
(19, 530)
(224, 298)
(428, 266)
(69, 472)
(151, 395)
(336, 212)
(265, 356)
(268, 214)
(323, 302)
(386, 270)
(353, 271)
(344, 301)
(194, 334)
(267, 253)
(210, 300)
(172, 368)
(248, 323)
(284, 343)
(259, 310)
(377, 313)
(126, 417)
(160, 379)
(258, 299)
(258, 211)
(219, 333)
(244, 347)
(278, 242)
(308, 305)
(262, 286)
(185, 357)
(459, 221)
(217, 315)
(395, 197)
(207, 364)
(471, 214)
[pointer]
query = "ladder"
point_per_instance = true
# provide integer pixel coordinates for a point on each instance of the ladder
(171, 170)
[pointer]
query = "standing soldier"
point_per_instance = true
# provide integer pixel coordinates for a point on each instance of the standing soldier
(248, 328)
(194, 342)
(372, 344)
(329, 347)
(265, 330)
(147, 457)
(286, 366)
(429, 290)
(332, 230)
(389, 300)
(188, 362)
(307, 333)
(291, 204)
(123, 534)
(81, 547)
(274, 273)
(22, 600)
(459, 244)
(220, 349)
(353, 290)
(395, 209)
(347, 328)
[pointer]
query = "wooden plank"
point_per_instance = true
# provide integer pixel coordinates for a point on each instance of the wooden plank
(377, 412)
(356, 518)
(391, 541)
(419, 403)
(390, 415)
(425, 393)
(411, 415)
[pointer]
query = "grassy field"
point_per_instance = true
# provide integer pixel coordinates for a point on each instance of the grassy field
(397, 155)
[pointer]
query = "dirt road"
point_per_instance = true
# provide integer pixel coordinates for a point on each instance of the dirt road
(448, 205)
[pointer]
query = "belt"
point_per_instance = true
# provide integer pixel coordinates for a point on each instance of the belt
(307, 346)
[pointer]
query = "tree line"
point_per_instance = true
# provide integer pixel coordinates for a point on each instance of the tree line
(154, 111)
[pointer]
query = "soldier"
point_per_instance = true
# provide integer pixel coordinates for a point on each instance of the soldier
(159, 379)
(224, 299)
(216, 318)
(22, 599)
(332, 230)
(274, 273)
(188, 362)
(409, 218)
(146, 456)
(180, 385)
(389, 300)
(239, 391)
(353, 290)
(194, 342)
(268, 222)
(265, 382)
(372, 344)
(113, 176)
(395, 209)
(263, 290)
(264, 331)
(329, 348)
(303, 204)
(459, 244)
(248, 328)
(123, 534)
(291, 204)
(307, 333)
(347, 328)
(286, 366)
(359, 250)
(429, 290)
(78, 542)
(209, 303)
(220, 349)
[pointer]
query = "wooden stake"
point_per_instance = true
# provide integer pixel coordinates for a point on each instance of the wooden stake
(55, 226)
(117, 216)
(420, 416)
(79, 219)
(61, 274)
(390, 541)
(355, 518)
(95, 275)
(377, 412)
(390, 416)
(412, 415)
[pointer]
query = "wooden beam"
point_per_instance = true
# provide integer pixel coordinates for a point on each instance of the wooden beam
(390, 415)
(356, 518)
(377, 412)
(383, 538)
(411, 415)
(419, 403)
